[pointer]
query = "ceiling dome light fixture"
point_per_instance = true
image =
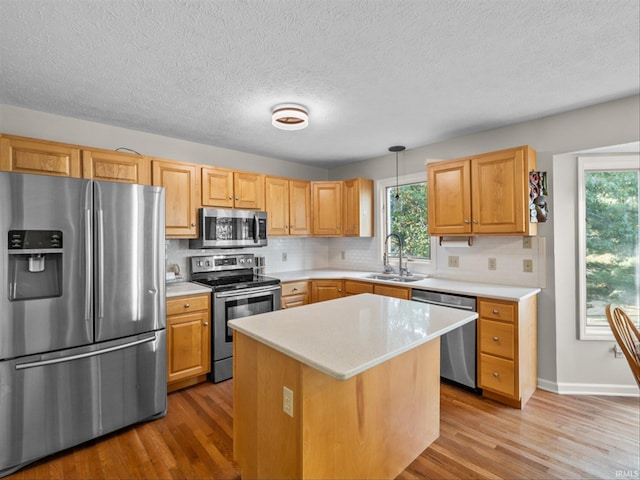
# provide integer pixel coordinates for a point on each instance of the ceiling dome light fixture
(289, 116)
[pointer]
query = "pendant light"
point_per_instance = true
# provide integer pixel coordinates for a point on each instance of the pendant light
(397, 149)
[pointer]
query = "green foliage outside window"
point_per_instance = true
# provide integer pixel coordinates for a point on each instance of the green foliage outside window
(408, 218)
(612, 242)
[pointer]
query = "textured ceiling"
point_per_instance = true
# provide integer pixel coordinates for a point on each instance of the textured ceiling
(372, 73)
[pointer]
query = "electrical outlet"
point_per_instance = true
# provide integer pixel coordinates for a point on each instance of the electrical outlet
(284, 256)
(527, 266)
(526, 242)
(492, 264)
(287, 401)
(343, 255)
(454, 261)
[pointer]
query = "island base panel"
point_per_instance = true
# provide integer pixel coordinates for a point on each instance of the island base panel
(372, 425)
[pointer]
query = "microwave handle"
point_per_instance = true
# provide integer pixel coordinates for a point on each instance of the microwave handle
(256, 234)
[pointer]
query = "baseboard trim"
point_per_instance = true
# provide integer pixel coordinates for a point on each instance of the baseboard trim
(589, 389)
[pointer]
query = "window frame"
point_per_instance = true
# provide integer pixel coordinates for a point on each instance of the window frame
(382, 185)
(593, 163)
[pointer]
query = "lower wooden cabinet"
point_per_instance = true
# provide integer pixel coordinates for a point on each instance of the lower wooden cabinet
(507, 350)
(322, 290)
(188, 340)
(354, 287)
(294, 294)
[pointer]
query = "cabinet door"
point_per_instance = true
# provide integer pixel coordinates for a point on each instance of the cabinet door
(188, 345)
(498, 193)
(24, 155)
(116, 167)
(248, 190)
(357, 210)
(182, 194)
(277, 205)
(449, 197)
(217, 187)
(299, 207)
(327, 208)
(322, 290)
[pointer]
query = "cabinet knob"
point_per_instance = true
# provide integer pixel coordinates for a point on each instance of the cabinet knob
(495, 339)
(187, 305)
(466, 221)
(496, 374)
(495, 311)
(237, 198)
(340, 290)
(354, 226)
(295, 289)
(230, 198)
(193, 224)
(338, 227)
(475, 221)
(206, 324)
(284, 307)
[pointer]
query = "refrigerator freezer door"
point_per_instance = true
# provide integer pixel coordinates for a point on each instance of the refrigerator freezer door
(58, 400)
(129, 259)
(63, 319)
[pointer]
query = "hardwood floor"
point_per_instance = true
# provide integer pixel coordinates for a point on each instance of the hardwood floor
(555, 436)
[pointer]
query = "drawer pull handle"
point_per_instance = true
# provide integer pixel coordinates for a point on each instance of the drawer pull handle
(295, 289)
(495, 312)
(206, 324)
(186, 305)
(495, 339)
(496, 374)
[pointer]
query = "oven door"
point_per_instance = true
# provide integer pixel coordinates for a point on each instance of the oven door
(237, 304)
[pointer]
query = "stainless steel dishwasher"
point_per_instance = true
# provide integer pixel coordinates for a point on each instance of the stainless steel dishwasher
(458, 347)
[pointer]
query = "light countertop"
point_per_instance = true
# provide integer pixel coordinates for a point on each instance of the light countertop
(349, 335)
(474, 289)
(185, 288)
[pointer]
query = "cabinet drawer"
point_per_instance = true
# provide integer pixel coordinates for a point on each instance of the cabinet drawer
(497, 374)
(390, 291)
(352, 287)
(294, 288)
(189, 303)
(497, 338)
(496, 310)
(298, 300)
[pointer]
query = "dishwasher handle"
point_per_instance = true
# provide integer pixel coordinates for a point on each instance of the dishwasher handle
(442, 304)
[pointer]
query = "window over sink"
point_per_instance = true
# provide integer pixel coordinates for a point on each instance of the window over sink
(404, 211)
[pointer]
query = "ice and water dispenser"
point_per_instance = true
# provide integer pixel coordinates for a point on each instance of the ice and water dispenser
(35, 264)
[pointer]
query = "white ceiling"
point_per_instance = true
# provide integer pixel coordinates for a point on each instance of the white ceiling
(372, 73)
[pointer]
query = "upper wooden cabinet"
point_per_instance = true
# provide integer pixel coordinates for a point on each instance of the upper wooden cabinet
(357, 212)
(485, 194)
(27, 155)
(288, 204)
(232, 189)
(116, 166)
(182, 195)
(343, 208)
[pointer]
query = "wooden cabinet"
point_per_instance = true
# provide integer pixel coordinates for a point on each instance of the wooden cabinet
(188, 340)
(294, 294)
(182, 193)
(322, 290)
(116, 166)
(288, 205)
(232, 189)
(343, 208)
(355, 287)
(28, 155)
(507, 350)
(485, 194)
(357, 210)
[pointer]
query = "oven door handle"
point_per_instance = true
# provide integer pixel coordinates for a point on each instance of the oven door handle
(247, 291)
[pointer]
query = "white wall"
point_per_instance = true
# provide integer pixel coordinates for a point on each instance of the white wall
(564, 363)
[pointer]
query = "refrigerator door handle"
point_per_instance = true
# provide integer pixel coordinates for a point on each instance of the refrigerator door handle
(88, 249)
(53, 361)
(100, 235)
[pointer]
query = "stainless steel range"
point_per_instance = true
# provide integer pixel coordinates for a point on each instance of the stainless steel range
(237, 291)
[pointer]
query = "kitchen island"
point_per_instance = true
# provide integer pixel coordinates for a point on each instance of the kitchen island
(348, 388)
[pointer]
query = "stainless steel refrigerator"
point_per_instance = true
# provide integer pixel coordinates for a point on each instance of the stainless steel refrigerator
(82, 312)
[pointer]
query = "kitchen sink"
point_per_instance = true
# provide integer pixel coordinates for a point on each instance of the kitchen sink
(396, 278)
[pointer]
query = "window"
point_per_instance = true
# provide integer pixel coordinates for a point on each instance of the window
(609, 240)
(405, 213)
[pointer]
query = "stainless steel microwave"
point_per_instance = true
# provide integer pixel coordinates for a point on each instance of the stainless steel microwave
(226, 228)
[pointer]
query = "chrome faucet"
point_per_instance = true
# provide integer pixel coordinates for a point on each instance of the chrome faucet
(385, 258)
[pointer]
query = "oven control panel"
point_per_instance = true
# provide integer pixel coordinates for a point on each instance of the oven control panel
(217, 263)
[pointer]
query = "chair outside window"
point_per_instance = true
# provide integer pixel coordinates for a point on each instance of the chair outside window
(627, 336)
